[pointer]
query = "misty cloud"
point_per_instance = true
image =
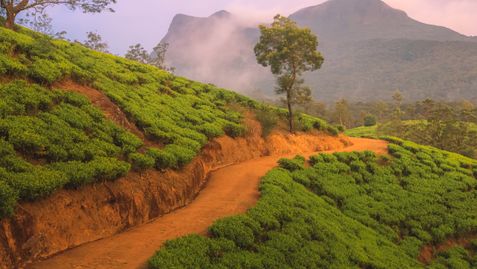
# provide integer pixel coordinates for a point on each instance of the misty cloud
(146, 21)
(202, 47)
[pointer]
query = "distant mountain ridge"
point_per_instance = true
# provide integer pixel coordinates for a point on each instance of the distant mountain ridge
(351, 20)
(370, 50)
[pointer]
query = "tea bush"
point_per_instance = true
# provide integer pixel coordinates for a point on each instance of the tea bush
(297, 163)
(52, 139)
(141, 162)
(347, 210)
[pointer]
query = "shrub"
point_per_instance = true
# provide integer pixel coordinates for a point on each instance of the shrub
(8, 199)
(101, 168)
(211, 130)
(198, 259)
(369, 120)
(348, 211)
(182, 155)
(141, 162)
(45, 71)
(240, 229)
(294, 164)
(37, 184)
(73, 141)
(332, 131)
(268, 120)
(164, 159)
(234, 130)
(110, 168)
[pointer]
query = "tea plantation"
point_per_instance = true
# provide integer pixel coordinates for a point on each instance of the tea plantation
(51, 139)
(347, 210)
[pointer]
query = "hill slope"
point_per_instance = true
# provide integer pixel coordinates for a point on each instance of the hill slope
(370, 51)
(347, 210)
(92, 144)
(234, 188)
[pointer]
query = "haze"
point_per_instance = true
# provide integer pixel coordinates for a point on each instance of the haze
(147, 21)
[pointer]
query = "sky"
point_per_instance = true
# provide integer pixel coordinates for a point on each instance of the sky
(147, 21)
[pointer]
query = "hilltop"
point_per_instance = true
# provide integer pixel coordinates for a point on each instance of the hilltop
(370, 50)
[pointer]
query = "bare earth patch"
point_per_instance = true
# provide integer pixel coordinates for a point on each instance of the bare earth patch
(108, 107)
(429, 252)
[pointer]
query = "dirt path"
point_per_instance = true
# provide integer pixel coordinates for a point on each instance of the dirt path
(230, 191)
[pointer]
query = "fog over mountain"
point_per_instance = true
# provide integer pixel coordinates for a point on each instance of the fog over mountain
(370, 50)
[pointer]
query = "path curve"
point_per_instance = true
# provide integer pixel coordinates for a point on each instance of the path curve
(230, 191)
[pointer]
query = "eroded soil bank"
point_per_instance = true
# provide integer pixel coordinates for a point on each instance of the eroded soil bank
(429, 252)
(230, 190)
(71, 218)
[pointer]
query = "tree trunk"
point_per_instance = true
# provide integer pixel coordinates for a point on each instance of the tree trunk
(10, 22)
(290, 112)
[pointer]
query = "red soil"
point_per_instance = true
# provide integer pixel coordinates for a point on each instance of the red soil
(429, 252)
(109, 109)
(230, 190)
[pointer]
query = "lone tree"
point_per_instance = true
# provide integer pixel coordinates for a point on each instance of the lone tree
(290, 51)
(12, 8)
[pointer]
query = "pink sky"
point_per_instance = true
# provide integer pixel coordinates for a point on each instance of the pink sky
(147, 21)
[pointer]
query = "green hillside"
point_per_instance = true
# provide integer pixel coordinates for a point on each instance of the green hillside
(51, 138)
(452, 135)
(348, 210)
(372, 131)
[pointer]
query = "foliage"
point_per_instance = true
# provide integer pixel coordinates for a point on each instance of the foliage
(95, 42)
(14, 7)
(8, 199)
(446, 126)
(297, 163)
(156, 58)
(456, 258)
(141, 162)
(363, 131)
(289, 51)
(348, 210)
(440, 128)
(341, 113)
(268, 120)
(52, 139)
(369, 120)
(137, 53)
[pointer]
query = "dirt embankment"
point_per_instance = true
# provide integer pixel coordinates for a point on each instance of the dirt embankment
(429, 252)
(230, 191)
(70, 218)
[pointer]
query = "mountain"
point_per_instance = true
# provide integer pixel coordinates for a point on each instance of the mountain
(354, 20)
(370, 50)
(215, 49)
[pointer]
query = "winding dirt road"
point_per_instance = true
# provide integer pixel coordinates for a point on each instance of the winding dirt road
(230, 191)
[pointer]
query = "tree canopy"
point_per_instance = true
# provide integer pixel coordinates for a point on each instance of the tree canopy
(289, 51)
(11, 8)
